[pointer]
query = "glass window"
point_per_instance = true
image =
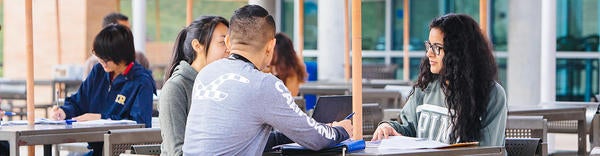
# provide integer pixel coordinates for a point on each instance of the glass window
(501, 62)
(498, 23)
(397, 25)
(373, 29)
(577, 25)
(577, 79)
(421, 14)
(310, 22)
(414, 67)
(173, 15)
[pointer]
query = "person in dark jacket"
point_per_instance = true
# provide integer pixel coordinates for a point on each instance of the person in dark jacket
(116, 88)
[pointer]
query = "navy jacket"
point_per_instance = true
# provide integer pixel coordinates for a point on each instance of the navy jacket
(128, 97)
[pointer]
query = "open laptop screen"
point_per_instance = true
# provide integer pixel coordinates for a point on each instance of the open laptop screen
(332, 108)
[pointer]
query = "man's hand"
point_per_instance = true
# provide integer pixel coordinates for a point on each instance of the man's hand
(347, 124)
(88, 117)
(57, 113)
(383, 131)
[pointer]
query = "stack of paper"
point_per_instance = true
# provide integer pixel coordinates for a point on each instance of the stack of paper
(55, 122)
(37, 121)
(105, 122)
(402, 142)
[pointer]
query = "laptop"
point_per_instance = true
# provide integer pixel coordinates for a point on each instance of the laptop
(332, 108)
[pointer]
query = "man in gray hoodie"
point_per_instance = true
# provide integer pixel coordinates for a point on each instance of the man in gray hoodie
(235, 105)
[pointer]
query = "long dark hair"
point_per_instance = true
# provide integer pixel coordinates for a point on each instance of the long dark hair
(468, 74)
(201, 29)
(285, 60)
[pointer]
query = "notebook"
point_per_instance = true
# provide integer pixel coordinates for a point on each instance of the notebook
(332, 108)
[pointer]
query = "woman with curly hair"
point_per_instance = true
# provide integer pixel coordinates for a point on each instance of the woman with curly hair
(456, 97)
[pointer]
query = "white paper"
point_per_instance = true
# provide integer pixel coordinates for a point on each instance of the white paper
(105, 122)
(402, 142)
(37, 121)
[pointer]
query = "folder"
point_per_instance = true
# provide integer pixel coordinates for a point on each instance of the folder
(348, 145)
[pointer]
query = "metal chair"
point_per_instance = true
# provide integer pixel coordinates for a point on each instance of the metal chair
(592, 122)
(526, 134)
(379, 71)
(385, 98)
(372, 115)
(119, 141)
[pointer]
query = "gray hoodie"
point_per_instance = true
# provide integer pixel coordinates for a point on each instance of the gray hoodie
(174, 106)
(235, 107)
(425, 115)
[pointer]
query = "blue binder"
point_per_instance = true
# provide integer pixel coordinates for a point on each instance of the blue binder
(348, 145)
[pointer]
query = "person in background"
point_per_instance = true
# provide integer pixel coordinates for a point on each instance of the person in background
(197, 45)
(235, 105)
(456, 97)
(286, 65)
(116, 18)
(116, 88)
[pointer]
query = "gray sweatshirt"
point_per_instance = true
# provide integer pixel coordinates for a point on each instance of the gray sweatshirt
(174, 105)
(425, 115)
(235, 106)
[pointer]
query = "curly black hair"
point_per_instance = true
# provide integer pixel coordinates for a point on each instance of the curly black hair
(467, 77)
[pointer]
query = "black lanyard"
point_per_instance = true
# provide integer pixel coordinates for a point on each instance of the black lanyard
(235, 56)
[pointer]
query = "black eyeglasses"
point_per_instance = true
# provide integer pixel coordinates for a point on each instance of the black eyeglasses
(435, 48)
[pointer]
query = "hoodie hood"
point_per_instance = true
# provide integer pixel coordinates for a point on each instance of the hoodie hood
(185, 70)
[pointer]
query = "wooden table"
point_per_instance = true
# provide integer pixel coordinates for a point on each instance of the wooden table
(45, 134)
(556, 112)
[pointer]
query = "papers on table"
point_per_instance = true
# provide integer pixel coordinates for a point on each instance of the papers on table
(37, 121)
(58, 122)
(105, 122)
(402, 142)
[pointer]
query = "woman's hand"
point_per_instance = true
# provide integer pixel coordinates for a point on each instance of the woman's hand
(88, 117)
(57, 113)
(383, 131)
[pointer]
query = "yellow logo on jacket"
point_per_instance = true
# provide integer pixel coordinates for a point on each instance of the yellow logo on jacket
(120, 99)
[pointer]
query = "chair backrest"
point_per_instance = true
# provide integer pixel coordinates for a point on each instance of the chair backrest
(118, 141)
(379, 71)
(372, 115)
(524, 131)
(299, 100)
(385, 98)
(592, 122)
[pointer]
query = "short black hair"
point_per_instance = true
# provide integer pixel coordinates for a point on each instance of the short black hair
(251, 25)
(113, 18)
(115, 43)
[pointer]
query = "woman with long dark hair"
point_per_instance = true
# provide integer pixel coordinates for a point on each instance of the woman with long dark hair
(286, 65)
(456, 97)
(197, 45)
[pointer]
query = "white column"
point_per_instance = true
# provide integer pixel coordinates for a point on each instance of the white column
(330, 40)
(524, 51)
(548, 58)
(139, 24)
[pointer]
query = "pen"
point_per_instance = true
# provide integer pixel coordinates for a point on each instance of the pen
(349, 116)
(57, 98)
